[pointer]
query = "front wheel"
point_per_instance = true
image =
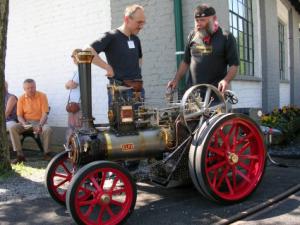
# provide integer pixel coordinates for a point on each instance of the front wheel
(101, 192)
(59, 173)
(228, 158)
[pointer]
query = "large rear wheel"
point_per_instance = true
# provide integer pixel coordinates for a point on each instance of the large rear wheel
(228, 158)
(101, 192)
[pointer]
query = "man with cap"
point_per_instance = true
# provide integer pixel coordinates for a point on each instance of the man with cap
(208, 52)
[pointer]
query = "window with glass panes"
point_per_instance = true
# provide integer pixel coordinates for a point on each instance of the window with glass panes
(281, 50)
(241, 26)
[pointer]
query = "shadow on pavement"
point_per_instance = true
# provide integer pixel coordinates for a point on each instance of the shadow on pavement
(157, 205)
(187, 206)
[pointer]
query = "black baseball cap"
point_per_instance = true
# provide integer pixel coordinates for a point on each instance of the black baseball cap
(204, 11)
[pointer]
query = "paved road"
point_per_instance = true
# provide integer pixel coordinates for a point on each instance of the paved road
(164, 206)
(285, 212)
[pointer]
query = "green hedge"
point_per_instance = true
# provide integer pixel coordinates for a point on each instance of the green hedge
(286, 119)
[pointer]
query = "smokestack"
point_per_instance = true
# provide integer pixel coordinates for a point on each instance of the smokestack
(85, 59)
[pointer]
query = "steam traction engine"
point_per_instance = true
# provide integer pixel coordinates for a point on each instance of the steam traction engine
(223, 154)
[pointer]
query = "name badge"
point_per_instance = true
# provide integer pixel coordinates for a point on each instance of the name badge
(131, 44)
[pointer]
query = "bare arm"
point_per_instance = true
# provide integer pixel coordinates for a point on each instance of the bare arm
(183, 68)
(223, 84)
(22, 120)
(12, 101)
(101, 63)
(71, 85)
(43, 119)
(141, 62)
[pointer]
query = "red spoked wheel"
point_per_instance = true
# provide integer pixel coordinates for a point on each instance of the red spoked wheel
(101, 192)
(228, 158)
(59, 173)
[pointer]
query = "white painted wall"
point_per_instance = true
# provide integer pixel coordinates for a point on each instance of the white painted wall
(41, 37)
(248, 93)
(284, 94)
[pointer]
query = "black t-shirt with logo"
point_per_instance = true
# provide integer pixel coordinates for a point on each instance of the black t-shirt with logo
(208, 62)
(122, 53)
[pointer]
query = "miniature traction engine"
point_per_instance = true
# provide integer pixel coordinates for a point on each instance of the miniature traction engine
(194, 140)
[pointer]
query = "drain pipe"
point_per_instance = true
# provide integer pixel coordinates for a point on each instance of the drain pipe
(179, 41)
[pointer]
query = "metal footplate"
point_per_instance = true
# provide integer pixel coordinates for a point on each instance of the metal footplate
(173, 169)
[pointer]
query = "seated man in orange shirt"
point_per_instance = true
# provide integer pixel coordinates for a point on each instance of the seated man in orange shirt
(32, 111)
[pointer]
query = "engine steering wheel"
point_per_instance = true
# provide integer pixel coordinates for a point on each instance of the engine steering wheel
(199, 102)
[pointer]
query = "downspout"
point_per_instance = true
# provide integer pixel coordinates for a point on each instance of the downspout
(179, 41)
(292, 71)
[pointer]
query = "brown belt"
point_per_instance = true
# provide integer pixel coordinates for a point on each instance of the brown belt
(137, 85)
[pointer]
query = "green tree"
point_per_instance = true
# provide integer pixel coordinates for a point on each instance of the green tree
(4, 151)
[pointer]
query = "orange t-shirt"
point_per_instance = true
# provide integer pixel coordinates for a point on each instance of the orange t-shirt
(32, 108)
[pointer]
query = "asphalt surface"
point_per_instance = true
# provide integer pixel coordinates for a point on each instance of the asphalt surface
(284, 212)
(176, 206)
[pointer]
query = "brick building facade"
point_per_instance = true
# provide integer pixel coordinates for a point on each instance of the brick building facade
(42, 35)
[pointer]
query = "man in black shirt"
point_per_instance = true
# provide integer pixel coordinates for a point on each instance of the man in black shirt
(122, 47)
(208, 52)
(123, 51)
